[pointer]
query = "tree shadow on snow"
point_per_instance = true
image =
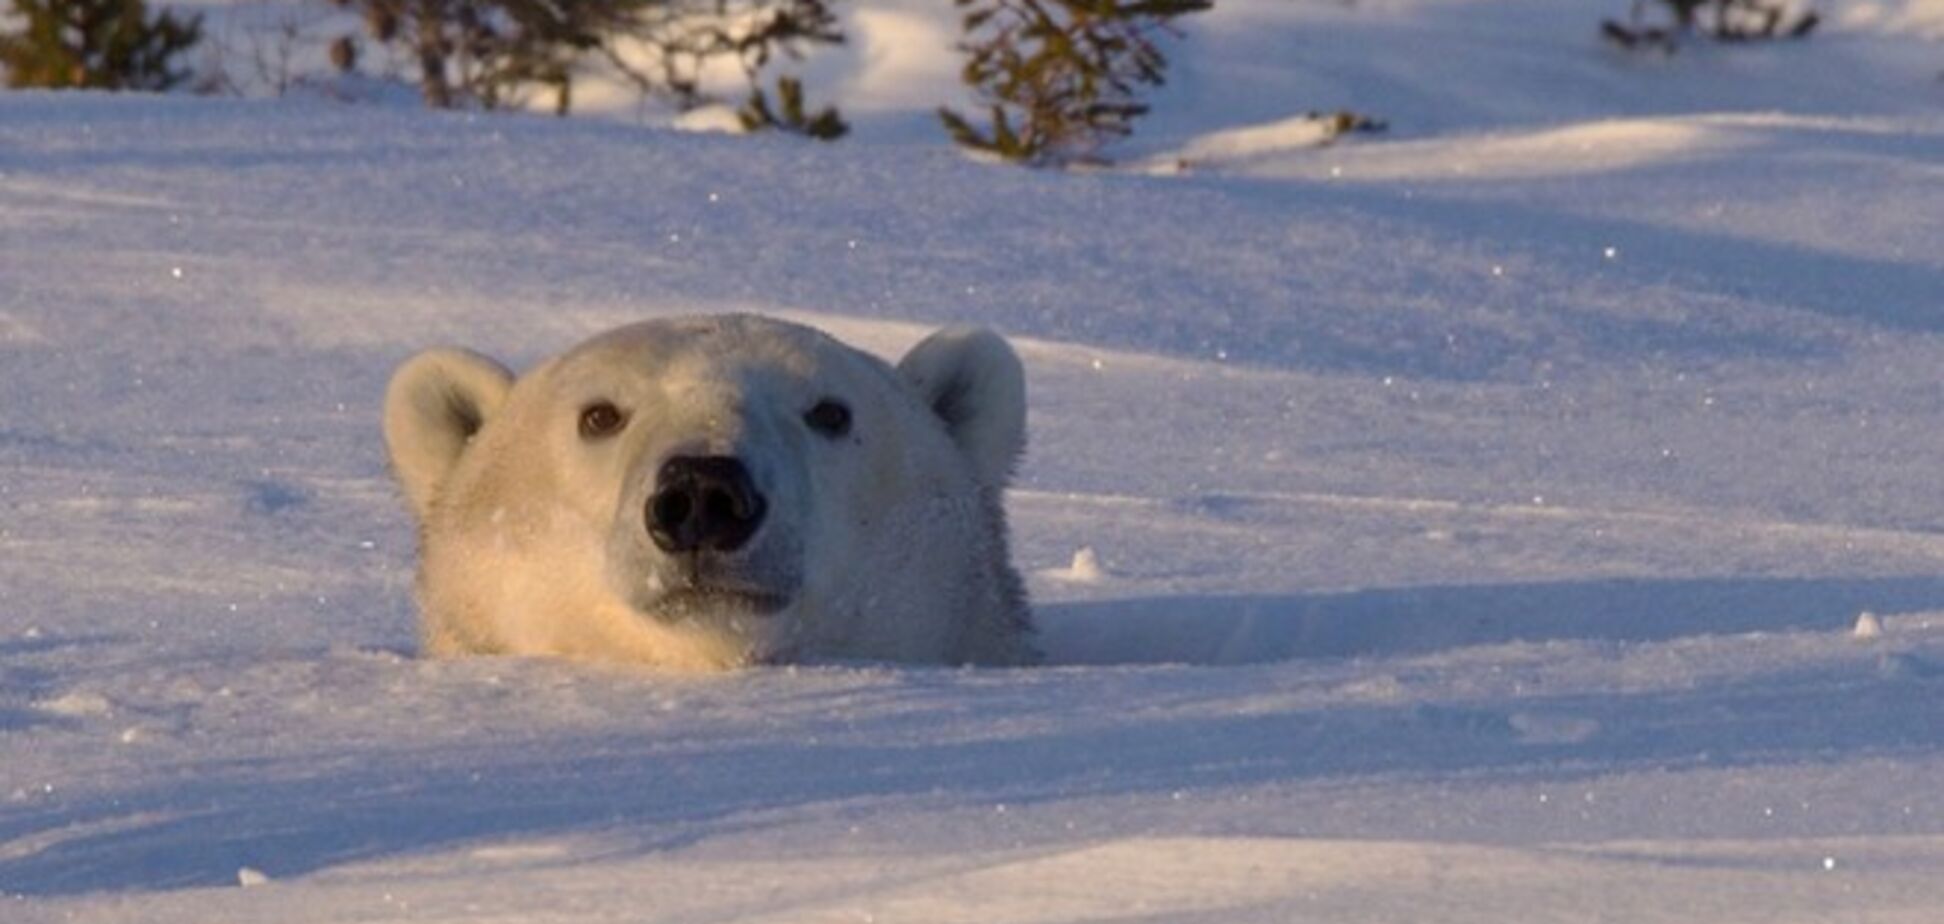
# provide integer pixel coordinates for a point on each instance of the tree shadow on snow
(1222, 630)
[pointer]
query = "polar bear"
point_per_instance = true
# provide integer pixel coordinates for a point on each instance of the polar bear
(703, 493)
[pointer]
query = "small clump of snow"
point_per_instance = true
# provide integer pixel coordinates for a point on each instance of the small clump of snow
(1085, 568)
(1868, 626)
(76, 705)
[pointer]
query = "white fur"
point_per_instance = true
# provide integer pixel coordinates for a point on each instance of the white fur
(890, 541)
(435, 402)
(972, 379)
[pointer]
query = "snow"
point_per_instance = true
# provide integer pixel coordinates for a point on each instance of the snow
(1525, 514)
(1868, 626)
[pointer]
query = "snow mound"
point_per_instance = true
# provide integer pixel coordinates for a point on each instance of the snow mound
(1474, 517)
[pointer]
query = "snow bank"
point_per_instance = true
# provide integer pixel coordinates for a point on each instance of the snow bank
(1478, 517)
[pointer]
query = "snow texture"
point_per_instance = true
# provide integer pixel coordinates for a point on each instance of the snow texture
(1474, 522)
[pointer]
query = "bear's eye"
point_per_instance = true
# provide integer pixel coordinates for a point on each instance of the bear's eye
(830, 417)
(600, 419)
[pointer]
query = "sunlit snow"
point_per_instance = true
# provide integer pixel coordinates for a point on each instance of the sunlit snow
(1528, 513)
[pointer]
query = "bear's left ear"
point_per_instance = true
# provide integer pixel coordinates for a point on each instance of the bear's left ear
(973, 381)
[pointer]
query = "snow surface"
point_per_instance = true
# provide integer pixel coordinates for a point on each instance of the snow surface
(1472, 523)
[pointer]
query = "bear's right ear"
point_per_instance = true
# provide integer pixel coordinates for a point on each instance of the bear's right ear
(435, 403)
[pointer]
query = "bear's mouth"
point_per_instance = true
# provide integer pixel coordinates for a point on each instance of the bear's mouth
(704, 600)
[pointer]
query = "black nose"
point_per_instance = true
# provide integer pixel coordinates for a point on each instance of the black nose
(704, 504)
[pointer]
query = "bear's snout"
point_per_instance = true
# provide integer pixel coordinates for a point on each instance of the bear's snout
(704, 504)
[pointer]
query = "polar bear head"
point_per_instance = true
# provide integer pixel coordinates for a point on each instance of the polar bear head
(709, 492)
